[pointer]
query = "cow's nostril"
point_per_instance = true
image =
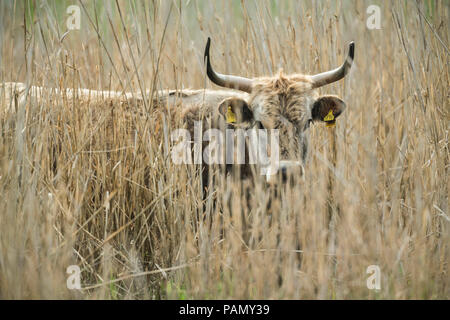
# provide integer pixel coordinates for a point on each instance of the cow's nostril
(284, 174)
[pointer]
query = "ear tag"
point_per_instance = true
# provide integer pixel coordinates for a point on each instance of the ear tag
(231, 117)
(329, 119)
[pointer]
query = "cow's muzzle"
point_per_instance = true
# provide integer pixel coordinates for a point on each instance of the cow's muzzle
(287, 171)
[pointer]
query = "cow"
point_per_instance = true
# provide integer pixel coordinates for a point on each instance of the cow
(287, 103)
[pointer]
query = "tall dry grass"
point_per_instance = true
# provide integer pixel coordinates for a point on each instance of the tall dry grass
(93, 184)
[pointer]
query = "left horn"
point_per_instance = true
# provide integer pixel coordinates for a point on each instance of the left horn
(228, 81)
(328, 77)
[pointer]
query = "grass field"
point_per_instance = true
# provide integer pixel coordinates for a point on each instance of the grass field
(93, 185)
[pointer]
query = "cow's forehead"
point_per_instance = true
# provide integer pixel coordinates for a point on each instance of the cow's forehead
(288, 97)
(280, 83)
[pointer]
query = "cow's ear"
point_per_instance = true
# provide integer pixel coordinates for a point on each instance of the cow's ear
(236, 111)
(327, 109)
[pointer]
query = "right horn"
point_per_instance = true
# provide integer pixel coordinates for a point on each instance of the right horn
(328, 77)
(228, 81)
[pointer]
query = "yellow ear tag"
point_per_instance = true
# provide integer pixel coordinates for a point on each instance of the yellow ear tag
(231, 117)
(329, 119)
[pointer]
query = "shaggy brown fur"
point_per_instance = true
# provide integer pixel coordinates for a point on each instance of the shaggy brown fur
(287, 103)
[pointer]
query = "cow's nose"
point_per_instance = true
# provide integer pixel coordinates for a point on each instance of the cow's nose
(287, 171)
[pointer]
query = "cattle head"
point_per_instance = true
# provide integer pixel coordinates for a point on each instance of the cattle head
(289, 103)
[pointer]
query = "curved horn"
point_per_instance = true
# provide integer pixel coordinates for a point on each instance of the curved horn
(228, 81)
(328, 77)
